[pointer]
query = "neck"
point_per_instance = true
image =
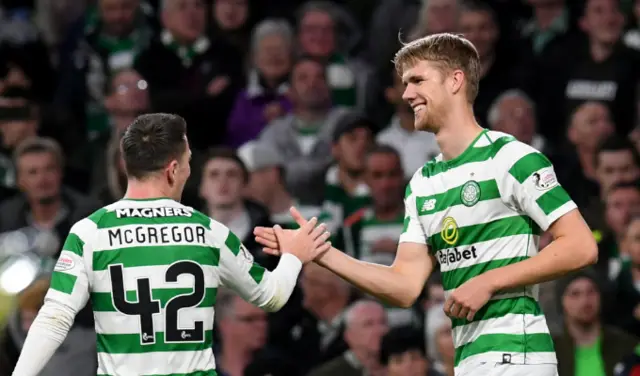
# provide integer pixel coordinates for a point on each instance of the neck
(348, 180)
(584, 335)
(327, 311)
(407, 120)
(456, 138)
(585, 156)
(45, 214)
(280, 202)
(233, 358)
(227, 214)
(389, 213)
(600, 51)
(137, 190)
(486, 62)
(310, 115)
(369, 359)
(545, 15)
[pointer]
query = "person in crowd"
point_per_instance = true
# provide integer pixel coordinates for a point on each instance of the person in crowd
(267, 184)
(76, 355)
(590, 124)
(415, 148)
(549, 25)
(627, 296)
(304, 137)
(365, 324)
(513, 112)
(205, 73)
(616, 161)
(310, 327)
(439, 16)
(242, 329)
(350, 80)
(632, 36)
(440, 341)
(265, 97)
(232, 22)
(345, 189)
(224, 179)
(403, 353)
(587, 345)
(115, 33)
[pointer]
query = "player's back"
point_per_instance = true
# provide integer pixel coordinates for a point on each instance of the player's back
(152, 269)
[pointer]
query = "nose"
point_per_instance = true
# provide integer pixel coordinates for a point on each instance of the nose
(409, 93)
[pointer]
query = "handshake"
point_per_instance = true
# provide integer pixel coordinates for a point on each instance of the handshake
(307, 243)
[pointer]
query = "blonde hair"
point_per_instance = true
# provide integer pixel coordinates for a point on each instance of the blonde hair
(448, 51)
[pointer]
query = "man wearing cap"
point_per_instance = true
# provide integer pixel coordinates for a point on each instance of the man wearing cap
(345, 190)
(267, 184)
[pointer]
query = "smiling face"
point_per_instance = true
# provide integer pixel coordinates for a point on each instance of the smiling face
(426, 93)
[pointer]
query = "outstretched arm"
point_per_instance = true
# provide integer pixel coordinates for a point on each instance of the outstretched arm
(399, 284)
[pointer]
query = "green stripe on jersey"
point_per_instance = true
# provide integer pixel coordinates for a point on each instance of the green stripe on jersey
(63, 282)
(488, 191)
(499, 228)
(73, 244)
(472, 154)
(110, 219)
(211, 372)
(233, 243)
(553, 199)
(527, 165)
(456, 277)
(103, 301)
(506, 343)
(155, 256)
(130, 344)
(494, 309)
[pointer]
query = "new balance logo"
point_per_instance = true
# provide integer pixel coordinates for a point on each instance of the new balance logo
(429, 205)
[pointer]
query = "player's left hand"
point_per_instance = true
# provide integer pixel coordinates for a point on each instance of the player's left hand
(467, 299)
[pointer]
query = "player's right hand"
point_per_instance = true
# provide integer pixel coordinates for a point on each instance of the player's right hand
(306, 243)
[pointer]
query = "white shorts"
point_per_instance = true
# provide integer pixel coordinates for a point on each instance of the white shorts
(500, 369)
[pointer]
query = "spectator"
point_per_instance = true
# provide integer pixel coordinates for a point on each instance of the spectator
(440, 341)
(243, 333)
(128, 98)
(232, 23)
(312, 332)
(622, 203)
(304, 137)
(265, 97)
(224, 178)
(596, 68)
(587, 345)
(616, 161)
(632, 36)
(513, 112)
(589, 124)
(549, 25)
(415, 148)
(75, 356)
(115, 33)
(365, 324)
(267, 184)
(499, 71)
(349, 79)
(205, 74)
(403, 353)
(345, 189)
(44, 204)
(627, 297)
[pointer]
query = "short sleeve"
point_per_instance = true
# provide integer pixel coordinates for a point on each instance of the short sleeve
(412, 231)
(70, 279)
(529, 183)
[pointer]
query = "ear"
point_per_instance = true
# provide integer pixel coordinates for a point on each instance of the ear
(171, 171)
(572, 134)
(457, 81)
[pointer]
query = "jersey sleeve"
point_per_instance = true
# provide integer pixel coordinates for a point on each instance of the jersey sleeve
(255, 284)
(70, 280)
(528, 183)
(412, 231)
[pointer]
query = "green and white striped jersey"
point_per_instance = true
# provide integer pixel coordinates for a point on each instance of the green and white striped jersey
(151, 269)
(483, 210)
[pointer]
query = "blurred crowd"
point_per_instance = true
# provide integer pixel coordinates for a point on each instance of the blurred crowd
(294, 102)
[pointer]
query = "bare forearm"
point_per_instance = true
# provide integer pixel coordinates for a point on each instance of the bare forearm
(560, 257)
(383, 282)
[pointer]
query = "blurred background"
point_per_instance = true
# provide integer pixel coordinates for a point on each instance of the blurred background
(297, 102)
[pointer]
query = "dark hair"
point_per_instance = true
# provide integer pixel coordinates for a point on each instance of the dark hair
(615, 143)
(307, 58)
(400, 340)
(39, 145)
(229, 154)
(383, 149)
(152, 141)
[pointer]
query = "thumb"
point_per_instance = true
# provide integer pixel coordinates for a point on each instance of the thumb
(297, 216)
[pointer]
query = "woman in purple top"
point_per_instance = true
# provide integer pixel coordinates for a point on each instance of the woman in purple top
(265, 97)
